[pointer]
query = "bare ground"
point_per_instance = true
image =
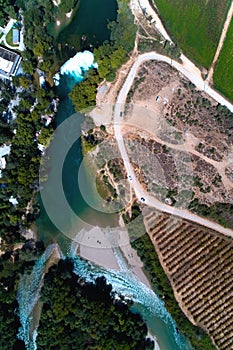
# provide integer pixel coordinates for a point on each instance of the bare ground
(166, 108)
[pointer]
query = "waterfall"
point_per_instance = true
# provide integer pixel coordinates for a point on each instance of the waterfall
(76, 66)
(28, 295)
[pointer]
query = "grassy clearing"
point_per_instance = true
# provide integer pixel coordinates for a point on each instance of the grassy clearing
(195, 25)
(223, 74)
(9, 38)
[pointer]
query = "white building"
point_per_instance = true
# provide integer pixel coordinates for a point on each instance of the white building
(2, 163)
(9, 63)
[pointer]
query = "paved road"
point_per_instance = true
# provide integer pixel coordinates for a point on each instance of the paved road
(140, 193)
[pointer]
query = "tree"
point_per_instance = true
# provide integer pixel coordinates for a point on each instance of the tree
(7, 10)
(24, 81)
(40, 48)
(83, 94)
(117, 58)
(81, 315)
(66, 5)
(27, 66)
(123, 30)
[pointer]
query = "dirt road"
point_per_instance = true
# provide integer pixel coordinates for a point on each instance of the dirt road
(140, 193)
(189, 69)
(220, 44)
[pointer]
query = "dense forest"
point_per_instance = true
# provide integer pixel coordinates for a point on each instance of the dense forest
(75, 314)
(25, 110)
(81, 315)
(20, 177)
(8, 10)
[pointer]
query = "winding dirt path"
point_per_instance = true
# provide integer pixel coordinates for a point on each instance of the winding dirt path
(220, 44)
(188, 147)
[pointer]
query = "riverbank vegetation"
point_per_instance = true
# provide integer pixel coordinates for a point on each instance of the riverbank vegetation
(108, 173)
(223, 73)
(198, 31)
(12, 265)
(42, 51)
(111, 55)
(65, 6)
(81, 315)
(83, 95)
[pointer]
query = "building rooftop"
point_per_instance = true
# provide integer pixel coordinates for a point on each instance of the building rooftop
(9, 62)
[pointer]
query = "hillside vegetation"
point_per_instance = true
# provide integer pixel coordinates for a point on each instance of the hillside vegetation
(195, 25)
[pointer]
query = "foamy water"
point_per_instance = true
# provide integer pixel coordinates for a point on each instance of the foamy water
(76, 66)
(28, 295)
(125, 283)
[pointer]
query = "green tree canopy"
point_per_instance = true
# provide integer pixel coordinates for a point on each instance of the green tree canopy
(83, 94)
(80, 315)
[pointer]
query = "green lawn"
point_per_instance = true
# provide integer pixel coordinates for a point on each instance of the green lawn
(9, 38)
(223, 74)
(195, 25)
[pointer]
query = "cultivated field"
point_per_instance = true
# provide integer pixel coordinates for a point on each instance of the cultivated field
(199, 264)
(223, 74)
(195, 25)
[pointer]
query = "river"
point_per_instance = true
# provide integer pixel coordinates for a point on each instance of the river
(87, 25)
(91, 18)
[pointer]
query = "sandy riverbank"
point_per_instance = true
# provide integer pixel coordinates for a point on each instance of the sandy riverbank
(96, 246)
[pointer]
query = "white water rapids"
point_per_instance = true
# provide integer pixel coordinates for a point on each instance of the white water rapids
(76, 66)
(123, 283)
